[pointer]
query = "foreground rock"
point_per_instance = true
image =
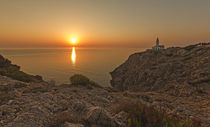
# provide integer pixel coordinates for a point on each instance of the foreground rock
(41, 104)
(72, 125)
(100, 117)
(44, 105)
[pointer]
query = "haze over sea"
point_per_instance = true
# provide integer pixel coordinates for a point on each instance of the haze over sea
(60, 64)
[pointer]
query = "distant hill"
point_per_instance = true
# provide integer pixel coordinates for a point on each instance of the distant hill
(177, 70)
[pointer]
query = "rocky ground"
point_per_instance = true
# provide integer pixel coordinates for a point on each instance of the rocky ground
(43, 104)
(177, 82)
(46, 105)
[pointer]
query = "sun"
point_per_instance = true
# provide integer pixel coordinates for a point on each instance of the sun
(73, 40)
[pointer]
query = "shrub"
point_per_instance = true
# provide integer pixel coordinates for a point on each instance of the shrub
(79, 80)
(140, 115)
(146, 116)
(5, 93)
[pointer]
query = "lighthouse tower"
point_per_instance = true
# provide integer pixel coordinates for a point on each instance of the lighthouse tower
(158, 46)
(157, 42)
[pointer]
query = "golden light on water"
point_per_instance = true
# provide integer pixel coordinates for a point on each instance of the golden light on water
(73, 55)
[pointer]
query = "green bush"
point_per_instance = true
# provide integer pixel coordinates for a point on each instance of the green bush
(78, 79)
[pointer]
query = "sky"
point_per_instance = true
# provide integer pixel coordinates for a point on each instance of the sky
(100, 23)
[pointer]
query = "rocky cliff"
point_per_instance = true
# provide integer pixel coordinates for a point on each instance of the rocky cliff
(13, 71)
(179, 70)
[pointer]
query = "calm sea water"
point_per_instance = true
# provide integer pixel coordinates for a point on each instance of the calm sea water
(60, 64)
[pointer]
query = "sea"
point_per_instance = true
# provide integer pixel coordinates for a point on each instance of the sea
(59, 65)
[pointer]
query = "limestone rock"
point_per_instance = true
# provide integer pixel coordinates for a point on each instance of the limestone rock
(67, 124)
(121, 118)
(98, 116)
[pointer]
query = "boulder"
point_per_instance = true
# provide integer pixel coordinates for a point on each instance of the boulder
(98, 116)
(121, 118)
(67, 124)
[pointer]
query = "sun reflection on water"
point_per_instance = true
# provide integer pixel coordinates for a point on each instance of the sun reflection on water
(73, 55)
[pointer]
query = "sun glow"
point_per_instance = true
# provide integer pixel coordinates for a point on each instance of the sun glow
(73, 41)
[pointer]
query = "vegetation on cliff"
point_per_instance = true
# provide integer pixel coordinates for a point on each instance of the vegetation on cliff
(13, 71)
(79, 79)
(142, 115)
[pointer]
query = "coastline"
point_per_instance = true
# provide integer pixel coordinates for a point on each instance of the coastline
(39, 103)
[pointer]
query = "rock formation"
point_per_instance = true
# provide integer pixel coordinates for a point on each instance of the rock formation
(175, 68)
(42, 104)
(13, 71)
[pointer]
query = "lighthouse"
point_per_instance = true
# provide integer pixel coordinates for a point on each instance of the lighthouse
(158, 46)
(157, 42)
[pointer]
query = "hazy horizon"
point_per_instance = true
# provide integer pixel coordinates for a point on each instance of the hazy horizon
(100, 23)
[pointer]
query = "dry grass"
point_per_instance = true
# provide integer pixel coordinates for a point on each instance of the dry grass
(5, 93)
(140, 115)
(61, 118)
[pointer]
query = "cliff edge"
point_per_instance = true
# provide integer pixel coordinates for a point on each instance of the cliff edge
(179, 70)
(13, 71)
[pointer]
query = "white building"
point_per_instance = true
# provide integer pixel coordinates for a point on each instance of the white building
(157, 46)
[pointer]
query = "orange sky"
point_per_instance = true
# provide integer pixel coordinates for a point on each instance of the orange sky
(133, 23)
